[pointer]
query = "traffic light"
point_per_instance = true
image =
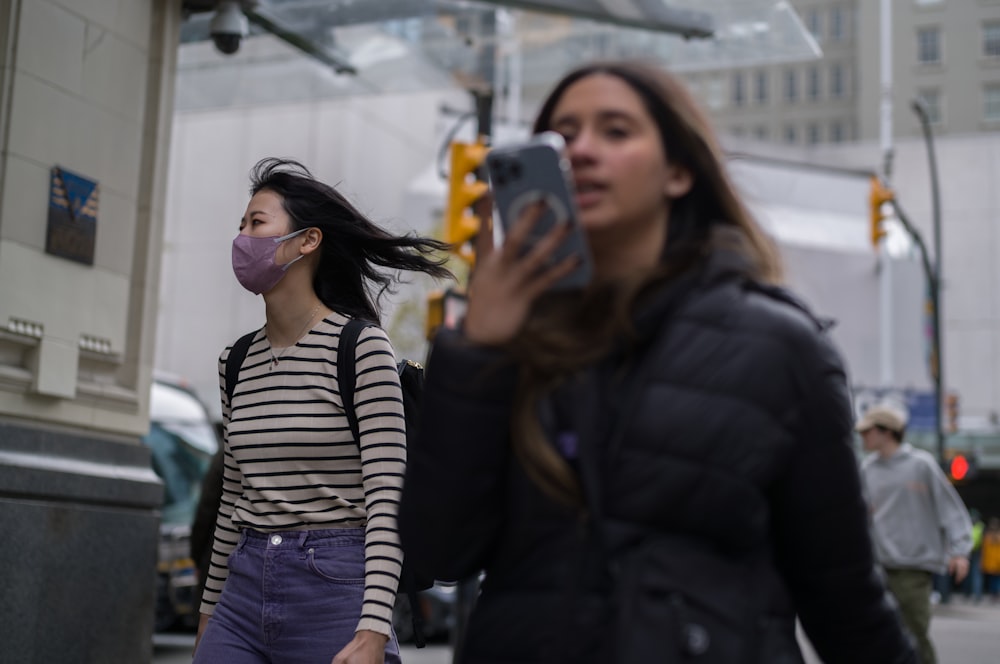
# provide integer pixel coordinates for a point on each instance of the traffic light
(962, 467)
(951, 411)
(959, 467)
(879, 195)
(465, 187)
(444, 309)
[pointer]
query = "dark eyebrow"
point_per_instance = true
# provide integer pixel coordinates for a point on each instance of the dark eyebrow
(603, 116)
(251, 213)
(614, 114)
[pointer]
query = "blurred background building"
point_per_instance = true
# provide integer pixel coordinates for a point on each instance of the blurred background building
(945, 52)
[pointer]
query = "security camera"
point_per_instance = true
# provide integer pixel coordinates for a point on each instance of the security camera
(228, 27)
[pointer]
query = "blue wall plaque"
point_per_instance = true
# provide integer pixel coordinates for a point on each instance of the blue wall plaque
(72, 227)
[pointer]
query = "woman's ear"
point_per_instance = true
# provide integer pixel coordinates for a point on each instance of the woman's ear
(679, 181)
(312, 238)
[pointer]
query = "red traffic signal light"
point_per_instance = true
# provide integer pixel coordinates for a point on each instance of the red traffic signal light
(959, 467)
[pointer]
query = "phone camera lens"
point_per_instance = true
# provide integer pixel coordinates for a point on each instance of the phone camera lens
(515, 170)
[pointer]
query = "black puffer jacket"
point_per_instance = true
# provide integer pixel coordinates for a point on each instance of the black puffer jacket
(731, 503)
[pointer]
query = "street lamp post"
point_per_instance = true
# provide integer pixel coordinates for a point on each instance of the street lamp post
(937, 364)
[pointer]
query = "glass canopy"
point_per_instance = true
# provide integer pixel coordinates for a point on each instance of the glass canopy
(371, 46)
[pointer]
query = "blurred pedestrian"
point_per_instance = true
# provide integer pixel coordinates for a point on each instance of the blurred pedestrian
(658, 466)
(921, 527)
(306, 558)
(991, 558)
(972, 586)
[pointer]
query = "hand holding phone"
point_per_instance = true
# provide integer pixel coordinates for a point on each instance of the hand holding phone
(544, 247)
(536, 172)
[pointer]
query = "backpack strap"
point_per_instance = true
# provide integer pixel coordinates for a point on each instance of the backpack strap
(347, 370)
(234, 361)
(347, 374)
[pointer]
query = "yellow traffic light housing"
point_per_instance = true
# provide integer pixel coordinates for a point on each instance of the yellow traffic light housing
(444, 309)
(464, 189)
(877, 198)
(435, 314)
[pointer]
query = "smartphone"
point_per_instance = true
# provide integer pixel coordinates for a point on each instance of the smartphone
(522, 174)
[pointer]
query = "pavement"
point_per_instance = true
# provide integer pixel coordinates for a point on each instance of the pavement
(963, 632)
(960, 607)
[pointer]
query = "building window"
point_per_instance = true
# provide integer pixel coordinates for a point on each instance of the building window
(991, 98)
(791, 136)
(837, 32)
(837, 132)
(812, 134)
(929, 46)
(761, 91)
(715, 92)
(812, 83)
(737, 132)
(837, 81)
(694, 86)
(760, 133)
(932, 103)
(739, 92)
(991, 40)
(814, 23)
(791, 86)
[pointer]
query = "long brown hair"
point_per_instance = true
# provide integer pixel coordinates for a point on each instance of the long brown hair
(567, 332)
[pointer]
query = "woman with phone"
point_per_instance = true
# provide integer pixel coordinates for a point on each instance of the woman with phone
(306, 558)
(656, 466)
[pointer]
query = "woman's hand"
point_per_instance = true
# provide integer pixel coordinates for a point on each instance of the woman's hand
(506, 281)
(367, 647)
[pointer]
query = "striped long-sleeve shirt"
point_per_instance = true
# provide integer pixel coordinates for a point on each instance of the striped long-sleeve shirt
(291, 461)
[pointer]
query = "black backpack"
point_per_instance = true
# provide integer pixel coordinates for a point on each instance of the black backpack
(411, 380)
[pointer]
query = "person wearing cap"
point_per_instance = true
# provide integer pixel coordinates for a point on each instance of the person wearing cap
(920, 525)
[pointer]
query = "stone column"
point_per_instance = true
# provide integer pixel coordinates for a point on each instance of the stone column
(86, 104)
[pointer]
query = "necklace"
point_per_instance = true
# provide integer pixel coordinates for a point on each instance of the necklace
(276, 357)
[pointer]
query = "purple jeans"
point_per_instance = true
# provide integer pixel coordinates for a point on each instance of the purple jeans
(292, 597)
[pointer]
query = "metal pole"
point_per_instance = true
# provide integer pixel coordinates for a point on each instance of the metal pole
(467, 589)
(885, 108)
(885, 133)
(487, 72)
(934, 291)
(937, 357)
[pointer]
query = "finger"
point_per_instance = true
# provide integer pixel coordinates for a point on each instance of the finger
(545, 279)
(540, 255)
(518, 234)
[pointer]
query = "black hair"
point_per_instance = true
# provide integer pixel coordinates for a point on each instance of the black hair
(348, 278)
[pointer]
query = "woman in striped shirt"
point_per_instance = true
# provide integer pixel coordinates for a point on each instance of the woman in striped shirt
(306, 558)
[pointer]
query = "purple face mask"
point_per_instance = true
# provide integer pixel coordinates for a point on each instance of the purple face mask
(253, 261)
